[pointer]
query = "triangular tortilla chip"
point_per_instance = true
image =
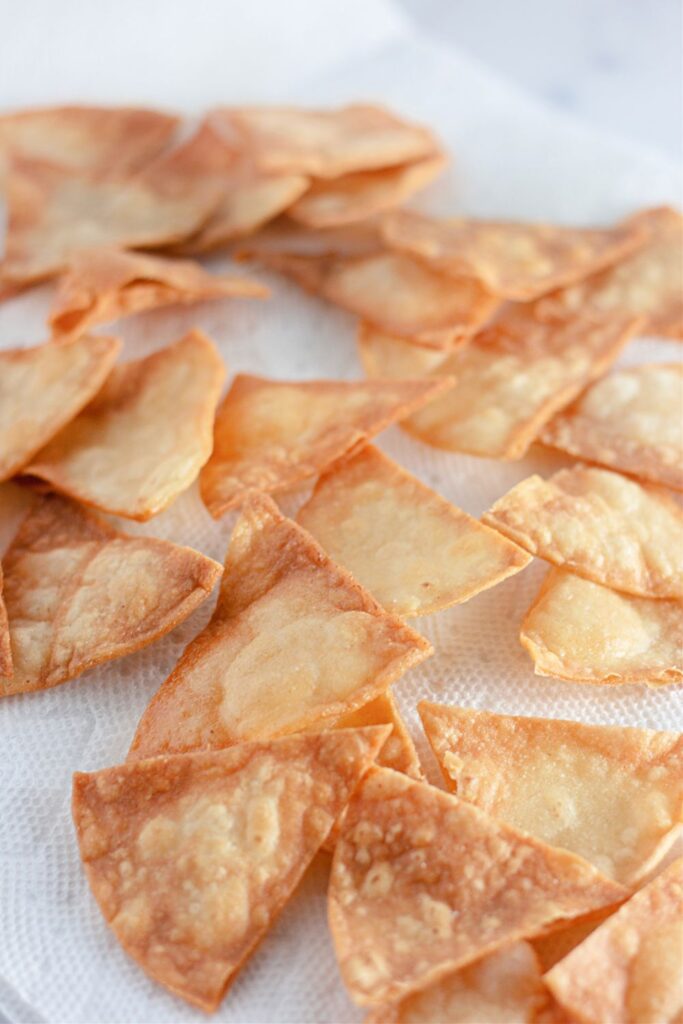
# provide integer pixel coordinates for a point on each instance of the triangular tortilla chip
(610, 794)
(355, 197)
(511, 378)
(502, 988)
(414, 551)
(324, 143)
(294, 641)
(271, 435)
(43, 388)
(398, 750)
(5, 648)
(144, 438)
(423, 884)
(647, 283)
(600, 525)
(513, 260)
(101, 285)
(631, 420)
(629, 969)
(192, 858)
(586, 633)
(79, 593)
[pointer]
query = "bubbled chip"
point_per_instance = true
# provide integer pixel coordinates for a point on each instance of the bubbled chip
(612, 795)
(600, 525)
(583, 632)
(294, 641)
(192, 858)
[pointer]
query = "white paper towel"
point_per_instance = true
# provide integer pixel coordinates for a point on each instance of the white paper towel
(512, 157)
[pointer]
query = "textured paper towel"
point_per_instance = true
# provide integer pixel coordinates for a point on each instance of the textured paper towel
(58, 962)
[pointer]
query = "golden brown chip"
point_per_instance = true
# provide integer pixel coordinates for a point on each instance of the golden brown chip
(144, 437)
(271, 435)
(355, 197)
(43, 388)
(5, 648)
(101, 285)
(629, 969)
(600, 525)
(647, 283)
(586, 633)
(513, 260)
(294, 641)
(192, 858)
(79, 593)
(398, 750)
(423, 884)
(414, 551)
(324, 143)
(510, 379)
(610, 794)
(631, 420)
(502, 988)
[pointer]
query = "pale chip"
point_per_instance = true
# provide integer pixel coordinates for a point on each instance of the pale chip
(143, 439)
(632, 421)
(43, 388)
(271, 435)
(610, 794)
(423, 884)
(192, 858)
(294, 641)
(629, 969)
(600, 525)
(583, 632)
(414, 551)
(79, 593)
(5, 647)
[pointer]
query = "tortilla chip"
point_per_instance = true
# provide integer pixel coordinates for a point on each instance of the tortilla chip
(414, 551)
(294, 641)
(324, 143)
(144, 437)
(630, 421)
(192, 858)
(646, 283)
(510, 379)
(79, 593)
(583, 632)
(43, 388)
(629, 969)
(5, 648)
(423, 883)
(503, 987)
(356, 197)
(610, 794)
(398, 750)
(600, 525)
(271, 435)
(513, 260)
(102, 285)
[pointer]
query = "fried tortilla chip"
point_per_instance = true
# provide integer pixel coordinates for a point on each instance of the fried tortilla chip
(5, 647)
(43, 388)
(324, 143)
(584, 632)
(294, 641)
(423, 883)
(513, 260)
(600, 525)
(631, 420)
(398, 751)
(647, 283)
(79, 593)
(101, 285)
(502, 988)
(629, 969)
(192, 858)
(414, 551)
(511, 378)
(144, 438)
(271, 435)
(610, 794)
(355, 197)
